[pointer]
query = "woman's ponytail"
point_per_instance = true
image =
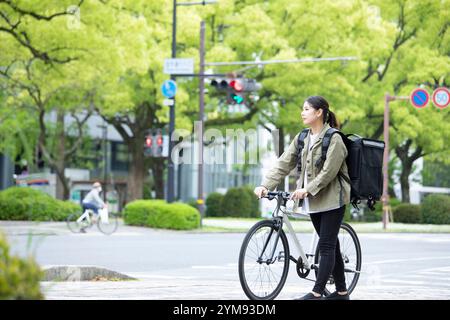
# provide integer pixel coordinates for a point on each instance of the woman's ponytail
(332, 120)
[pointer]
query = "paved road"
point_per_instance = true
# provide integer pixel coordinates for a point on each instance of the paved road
(187, 265)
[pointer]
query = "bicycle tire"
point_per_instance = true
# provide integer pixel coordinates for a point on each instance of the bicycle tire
(242, 255)
(72, 223)
(353, 235)
(113, 224)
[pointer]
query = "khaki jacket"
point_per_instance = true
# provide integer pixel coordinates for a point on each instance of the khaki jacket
(326, 190)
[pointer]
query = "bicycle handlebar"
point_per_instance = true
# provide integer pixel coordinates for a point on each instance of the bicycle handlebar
(272, 194)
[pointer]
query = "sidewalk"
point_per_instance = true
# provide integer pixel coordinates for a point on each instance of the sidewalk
(244, 224)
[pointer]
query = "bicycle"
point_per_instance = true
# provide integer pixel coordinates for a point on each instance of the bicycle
(107, 222)
(262, 254)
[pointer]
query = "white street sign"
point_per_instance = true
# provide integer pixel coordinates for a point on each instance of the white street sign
(179, 66)
(168, 102)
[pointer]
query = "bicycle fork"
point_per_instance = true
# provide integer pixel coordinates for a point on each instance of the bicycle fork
(279, 225)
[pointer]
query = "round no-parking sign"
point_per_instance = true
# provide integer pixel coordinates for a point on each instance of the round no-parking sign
(419, 98)
(441, 97)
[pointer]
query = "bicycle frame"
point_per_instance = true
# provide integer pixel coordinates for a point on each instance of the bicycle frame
(86, 214)
(283, 217)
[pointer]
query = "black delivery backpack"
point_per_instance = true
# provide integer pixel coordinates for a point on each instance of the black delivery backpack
(364, 162)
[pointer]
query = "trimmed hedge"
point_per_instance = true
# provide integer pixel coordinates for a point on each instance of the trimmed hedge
(407, 213)
(214, 204)
(436, 209)
(377, 215)
(19, 278)
(160, 214)
(240, 202)
(24, 203)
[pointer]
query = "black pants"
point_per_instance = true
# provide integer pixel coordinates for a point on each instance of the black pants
(327, 224)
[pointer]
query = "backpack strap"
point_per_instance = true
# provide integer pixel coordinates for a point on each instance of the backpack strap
(325, 144)
(300, 144)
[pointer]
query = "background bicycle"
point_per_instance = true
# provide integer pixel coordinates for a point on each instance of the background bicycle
(266, 253)
(107, 222)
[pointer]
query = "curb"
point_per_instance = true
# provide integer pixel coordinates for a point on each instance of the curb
(81, 273)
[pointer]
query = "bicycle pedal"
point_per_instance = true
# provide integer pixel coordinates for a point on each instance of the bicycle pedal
(281, 256)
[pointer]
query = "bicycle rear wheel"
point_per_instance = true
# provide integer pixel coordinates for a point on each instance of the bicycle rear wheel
(351, 255)
(74, 225)
(262, 280)
(108, 226)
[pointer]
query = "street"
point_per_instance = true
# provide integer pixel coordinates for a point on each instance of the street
(192, 265)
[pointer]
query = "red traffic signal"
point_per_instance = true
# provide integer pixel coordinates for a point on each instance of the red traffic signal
(148, 141)
(159, 140)
(236, 85)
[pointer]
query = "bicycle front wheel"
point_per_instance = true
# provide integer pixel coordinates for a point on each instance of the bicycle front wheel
(74, 224)
(109, 225)
(351, 256)
(262, 275)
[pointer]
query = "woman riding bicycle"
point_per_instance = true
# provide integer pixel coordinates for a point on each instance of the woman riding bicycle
(324, 187)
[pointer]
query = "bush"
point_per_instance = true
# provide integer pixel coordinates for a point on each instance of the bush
(237, 203)
(214, 203)
(19, 278)
(24, 203)
(254, 202)
(407, 213)
(160, 214)
(436, 209)
(377, 215)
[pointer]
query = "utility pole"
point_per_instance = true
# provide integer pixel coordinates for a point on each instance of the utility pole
(385, 197)
(170, 177)
(201, 86)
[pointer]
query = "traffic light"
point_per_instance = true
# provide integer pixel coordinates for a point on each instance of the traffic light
(148, 145)
(236, 88)
(154, 145)
(159, 143)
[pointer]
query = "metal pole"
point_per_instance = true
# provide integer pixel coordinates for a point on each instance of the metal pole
(201, 86)
(387, 98)
(170, 173)
(105, 169)
(385, 198)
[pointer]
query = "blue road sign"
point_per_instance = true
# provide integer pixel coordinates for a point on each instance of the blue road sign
(419, 98)
(169, 88)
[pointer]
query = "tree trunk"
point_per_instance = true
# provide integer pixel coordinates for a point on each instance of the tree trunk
(402, 153)
(135, 181)
(404, 181)
(62, 191)
(158, 175)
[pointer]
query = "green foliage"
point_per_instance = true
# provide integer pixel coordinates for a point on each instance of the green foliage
(192, 203)
(160, 214)
(19, 278)
(436, 209)
(240, 202)
(24, 203)
(255, 212)
(407, 213)
(214, 203)
(113, 59)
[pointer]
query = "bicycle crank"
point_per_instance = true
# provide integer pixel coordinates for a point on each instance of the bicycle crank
(301, 270)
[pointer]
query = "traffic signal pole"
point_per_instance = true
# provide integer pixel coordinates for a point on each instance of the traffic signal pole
(201, 86)
(170, 165)
(170, 169)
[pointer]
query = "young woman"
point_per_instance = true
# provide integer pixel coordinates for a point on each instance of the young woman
(325, 189)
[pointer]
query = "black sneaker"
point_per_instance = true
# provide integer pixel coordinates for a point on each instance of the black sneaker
(337, 296)
(309, 296)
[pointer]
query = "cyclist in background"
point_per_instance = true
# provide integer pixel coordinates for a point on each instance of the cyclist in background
(92, 200)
